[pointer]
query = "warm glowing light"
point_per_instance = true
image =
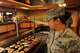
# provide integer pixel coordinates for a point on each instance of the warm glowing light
(1, 2)
(62, 5)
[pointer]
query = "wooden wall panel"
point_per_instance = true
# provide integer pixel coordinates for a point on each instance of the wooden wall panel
(3, 28)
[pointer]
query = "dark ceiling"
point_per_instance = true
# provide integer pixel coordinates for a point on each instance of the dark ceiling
(70, 3)
(39, 4)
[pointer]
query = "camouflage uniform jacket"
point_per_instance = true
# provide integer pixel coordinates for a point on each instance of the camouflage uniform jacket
(66, 42)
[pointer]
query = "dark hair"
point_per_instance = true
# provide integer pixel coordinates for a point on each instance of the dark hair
(64, 18)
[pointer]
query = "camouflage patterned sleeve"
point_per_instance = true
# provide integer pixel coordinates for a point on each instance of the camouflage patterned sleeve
(41, 38)
(68, 44)
(73, 46)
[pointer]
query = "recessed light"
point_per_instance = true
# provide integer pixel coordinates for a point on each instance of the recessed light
(24, 7)
(62, 5)
(1, 2)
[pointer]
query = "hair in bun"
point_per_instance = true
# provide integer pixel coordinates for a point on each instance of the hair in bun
(67, 16)
(64, 17)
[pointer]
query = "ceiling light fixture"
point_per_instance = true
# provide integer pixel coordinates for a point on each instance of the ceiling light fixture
(62, 5)
(1, 2)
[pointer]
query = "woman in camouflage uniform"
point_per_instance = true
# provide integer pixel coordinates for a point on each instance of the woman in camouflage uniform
(61, 39)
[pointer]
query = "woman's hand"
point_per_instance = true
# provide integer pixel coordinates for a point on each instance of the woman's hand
(34, 42)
